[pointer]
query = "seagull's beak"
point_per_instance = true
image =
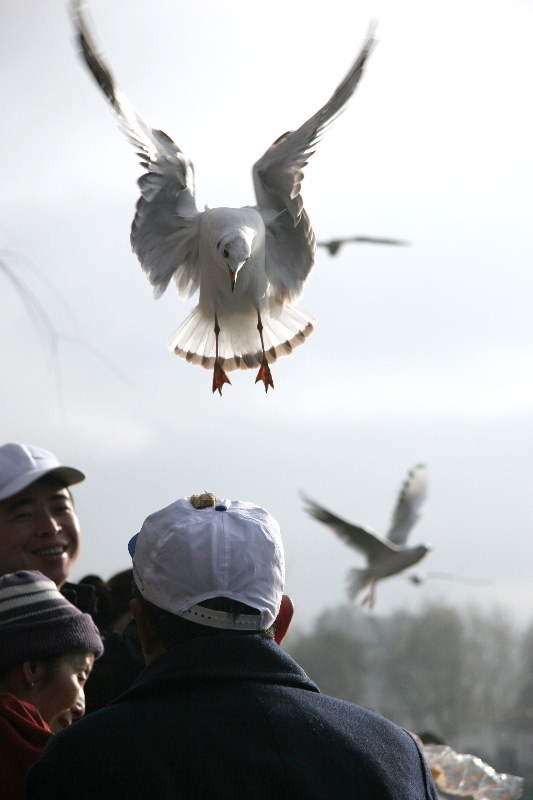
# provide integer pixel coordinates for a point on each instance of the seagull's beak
(233, 276)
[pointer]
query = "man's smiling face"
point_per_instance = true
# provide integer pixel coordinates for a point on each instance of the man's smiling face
(39, 530)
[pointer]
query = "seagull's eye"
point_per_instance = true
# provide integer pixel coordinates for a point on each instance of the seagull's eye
(225, 253)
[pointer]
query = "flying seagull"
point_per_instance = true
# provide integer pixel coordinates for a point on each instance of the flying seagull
(385, 556)
(420, 577)
(334, 245)
(249, 264)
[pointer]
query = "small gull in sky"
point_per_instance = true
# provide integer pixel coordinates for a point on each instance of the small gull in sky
(249, 264)
(420, 577)
(334, 245)
(385, 556)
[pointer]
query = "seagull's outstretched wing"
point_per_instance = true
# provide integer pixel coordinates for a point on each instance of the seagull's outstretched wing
(334, 245)
(407, 511)
(164, 233)
(290, 240)
(363, 539)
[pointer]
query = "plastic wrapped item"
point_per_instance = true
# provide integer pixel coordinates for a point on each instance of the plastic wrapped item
(466, 776)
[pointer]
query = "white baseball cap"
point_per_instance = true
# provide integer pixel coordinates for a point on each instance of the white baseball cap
(23, 464)
(184, 555)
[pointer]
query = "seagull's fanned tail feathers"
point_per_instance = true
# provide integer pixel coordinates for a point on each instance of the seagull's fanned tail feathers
(239, 345)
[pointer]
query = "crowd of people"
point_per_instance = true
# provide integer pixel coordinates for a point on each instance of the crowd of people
(171, 684)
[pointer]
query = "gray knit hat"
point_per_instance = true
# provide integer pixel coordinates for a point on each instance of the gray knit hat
(36, 621)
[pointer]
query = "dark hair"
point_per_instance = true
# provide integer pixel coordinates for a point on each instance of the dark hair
(55, 479)
(174, 630)
(120, 587)
(51, 666)
(112, 597)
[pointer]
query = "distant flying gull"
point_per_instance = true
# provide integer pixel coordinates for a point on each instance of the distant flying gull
(418, 578)
(249, 264)
(385, 556)
(334, 245)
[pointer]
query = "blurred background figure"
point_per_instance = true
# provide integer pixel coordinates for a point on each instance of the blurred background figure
(123, 659)
(113, 597)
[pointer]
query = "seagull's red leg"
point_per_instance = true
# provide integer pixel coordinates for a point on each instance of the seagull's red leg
(264, 373)
(219, 376)
(372, 602)
(370, 599)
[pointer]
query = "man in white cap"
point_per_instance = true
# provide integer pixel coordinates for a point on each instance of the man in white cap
(221, 712)
(39, 529)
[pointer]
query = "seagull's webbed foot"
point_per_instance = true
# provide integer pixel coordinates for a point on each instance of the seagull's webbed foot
(265, 375)
(370, 599)
(219, 378)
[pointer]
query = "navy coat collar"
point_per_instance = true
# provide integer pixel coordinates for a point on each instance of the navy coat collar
(222, 657)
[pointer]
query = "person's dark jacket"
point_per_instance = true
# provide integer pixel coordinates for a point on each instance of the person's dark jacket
(224, 718)
(115, 671)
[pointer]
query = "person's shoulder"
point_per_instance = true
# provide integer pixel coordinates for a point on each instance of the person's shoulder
(382, 742)
(81, 742)
(67, 765)
(356, 720)
(54, 775)
(81, 729)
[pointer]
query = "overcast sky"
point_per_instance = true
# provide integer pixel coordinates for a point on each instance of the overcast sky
(420, 353)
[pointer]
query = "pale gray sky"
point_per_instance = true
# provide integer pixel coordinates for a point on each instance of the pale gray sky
(419, 354)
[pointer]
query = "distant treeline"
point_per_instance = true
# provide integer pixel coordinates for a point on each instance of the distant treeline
(462, 675)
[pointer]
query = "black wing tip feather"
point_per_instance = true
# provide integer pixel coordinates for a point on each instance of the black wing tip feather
(370, 40)
(91, 53)
(315, 510)
(309, 505)
(411, 474)
(405, 487)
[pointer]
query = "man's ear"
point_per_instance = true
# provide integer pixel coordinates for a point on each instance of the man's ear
(151, 643)
(283, 620)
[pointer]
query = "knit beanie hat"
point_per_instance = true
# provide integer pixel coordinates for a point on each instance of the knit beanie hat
(36, 621)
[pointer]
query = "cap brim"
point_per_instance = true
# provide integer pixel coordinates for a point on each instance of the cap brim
(68, 476)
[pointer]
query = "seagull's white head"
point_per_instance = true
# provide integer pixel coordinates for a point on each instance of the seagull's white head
(233, 250)
(414, 554)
